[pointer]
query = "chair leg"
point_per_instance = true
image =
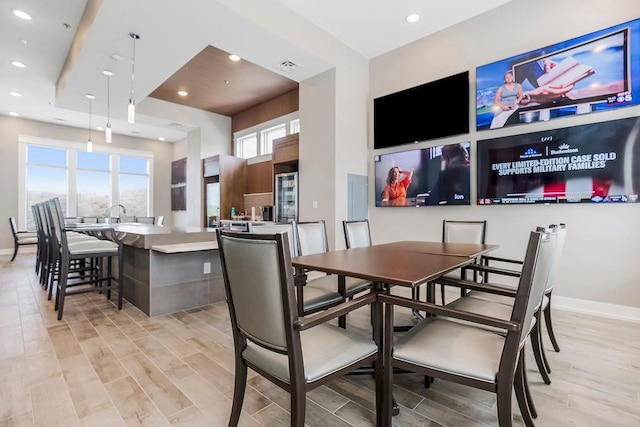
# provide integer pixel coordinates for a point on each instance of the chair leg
(298, 403)
(238, 392)
(537, 350)
(15, 251)
(442, 294)
(549, 324)
(62, 288)
(518, 384)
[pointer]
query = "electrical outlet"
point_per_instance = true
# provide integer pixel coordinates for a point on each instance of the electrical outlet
(207, 268)
(315, 204)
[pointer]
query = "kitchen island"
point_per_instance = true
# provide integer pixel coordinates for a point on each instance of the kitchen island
(170, 269)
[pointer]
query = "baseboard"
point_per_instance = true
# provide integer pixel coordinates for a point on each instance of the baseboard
(602, 309)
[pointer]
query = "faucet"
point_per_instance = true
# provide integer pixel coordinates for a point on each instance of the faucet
(108, 213)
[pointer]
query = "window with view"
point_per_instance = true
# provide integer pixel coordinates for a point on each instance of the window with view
(258, 140)
(87, 184)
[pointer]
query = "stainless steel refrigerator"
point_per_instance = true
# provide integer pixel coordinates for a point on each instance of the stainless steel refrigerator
(286, 186)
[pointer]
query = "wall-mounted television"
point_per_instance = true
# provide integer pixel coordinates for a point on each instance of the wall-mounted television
(433, 110)
(593, 163)
(594, 72)
(432, 176)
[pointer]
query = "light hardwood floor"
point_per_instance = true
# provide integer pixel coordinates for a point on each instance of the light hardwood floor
(104, 367)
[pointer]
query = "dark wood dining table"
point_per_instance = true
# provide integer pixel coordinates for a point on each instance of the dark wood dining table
(404, 263)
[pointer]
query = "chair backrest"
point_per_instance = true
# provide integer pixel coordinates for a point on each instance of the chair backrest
(464, 231)
(14, 228)
(533, 278)
(259, 288)
(90, 219)
(357, 233)
(160, 220)
(126, 219)
(312, 237)
(145, 219)
(561, 233)
(278, 228)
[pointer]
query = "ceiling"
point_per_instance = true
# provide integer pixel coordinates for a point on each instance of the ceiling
(67, 44)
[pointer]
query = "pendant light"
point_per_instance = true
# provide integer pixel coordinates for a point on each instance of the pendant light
(131, 112)
(89, 142)
(107, 131)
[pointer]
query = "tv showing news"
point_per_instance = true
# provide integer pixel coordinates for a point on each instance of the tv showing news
(594, 72)
(433, 110)
(432, 176)
(593, 163)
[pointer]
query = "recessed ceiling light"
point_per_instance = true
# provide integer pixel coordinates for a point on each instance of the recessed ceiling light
(107, 72)
(226, 82)
(22, 15)
(183, 93)
(23, 41)
(89, 96)
(116, 57)
(414, 17)
(15, 94)
(13, 114)
(18, 64)
(235, 58)
(160, 138)
(135, 132)
(100, 128)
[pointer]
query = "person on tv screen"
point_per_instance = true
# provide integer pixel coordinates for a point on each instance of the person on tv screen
(454, 179)
(395, 192)
(509, 94)
(544, 94)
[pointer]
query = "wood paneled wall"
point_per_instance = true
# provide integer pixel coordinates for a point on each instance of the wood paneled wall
(276, 107)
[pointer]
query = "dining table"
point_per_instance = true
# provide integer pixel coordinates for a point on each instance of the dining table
(404, 263)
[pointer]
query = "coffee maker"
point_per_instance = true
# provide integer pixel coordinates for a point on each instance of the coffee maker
(267, 213)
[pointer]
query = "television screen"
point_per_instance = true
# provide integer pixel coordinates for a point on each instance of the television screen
(424, 177)
(598, 162)
(429, 111)
(595, 72)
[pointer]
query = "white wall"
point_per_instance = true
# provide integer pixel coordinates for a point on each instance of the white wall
(600, 260)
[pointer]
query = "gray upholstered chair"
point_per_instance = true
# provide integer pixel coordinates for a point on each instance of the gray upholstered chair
(125, 219)
(21, 237)
(310, 298)
(297, 354)
(312, 239)
(467, 354)
(357, 234)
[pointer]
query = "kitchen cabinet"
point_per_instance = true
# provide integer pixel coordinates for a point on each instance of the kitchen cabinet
(224, 185)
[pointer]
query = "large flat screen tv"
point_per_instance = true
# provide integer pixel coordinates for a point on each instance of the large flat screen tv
(432, 176)
(594, 163)
(433, 110)
(594, 72)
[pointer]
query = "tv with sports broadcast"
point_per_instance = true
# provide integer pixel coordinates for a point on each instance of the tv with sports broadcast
(595, 72)
(433, 110)
(433, 176)
(593, 163)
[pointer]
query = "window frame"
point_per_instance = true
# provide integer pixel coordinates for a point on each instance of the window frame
(290, 122)
(72, 186)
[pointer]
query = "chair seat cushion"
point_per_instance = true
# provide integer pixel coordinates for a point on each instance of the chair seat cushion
(325, 350)
(330, 283)
(29, 239)
(315, 298)
(94, 246)
(452, 347)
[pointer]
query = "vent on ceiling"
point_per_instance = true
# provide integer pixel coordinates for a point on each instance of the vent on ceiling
(288, 66)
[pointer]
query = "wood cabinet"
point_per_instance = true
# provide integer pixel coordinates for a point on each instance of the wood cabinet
(285, 149)
(224, 185)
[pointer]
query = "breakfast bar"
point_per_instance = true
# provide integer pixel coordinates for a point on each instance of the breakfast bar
(170, 269)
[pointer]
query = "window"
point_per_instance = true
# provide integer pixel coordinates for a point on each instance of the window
(247, 146)
(87, 184)
(46, 177)
(268, 135)
(258, 140)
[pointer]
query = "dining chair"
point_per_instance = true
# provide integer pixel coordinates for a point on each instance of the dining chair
(312, 239)
(21, 237)
(126, 219)
(456, 232)
(357, 233)
(298, 354)
(497, 301)
(160, 221)
(98, 276)
(470, 355)
(310, 298)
